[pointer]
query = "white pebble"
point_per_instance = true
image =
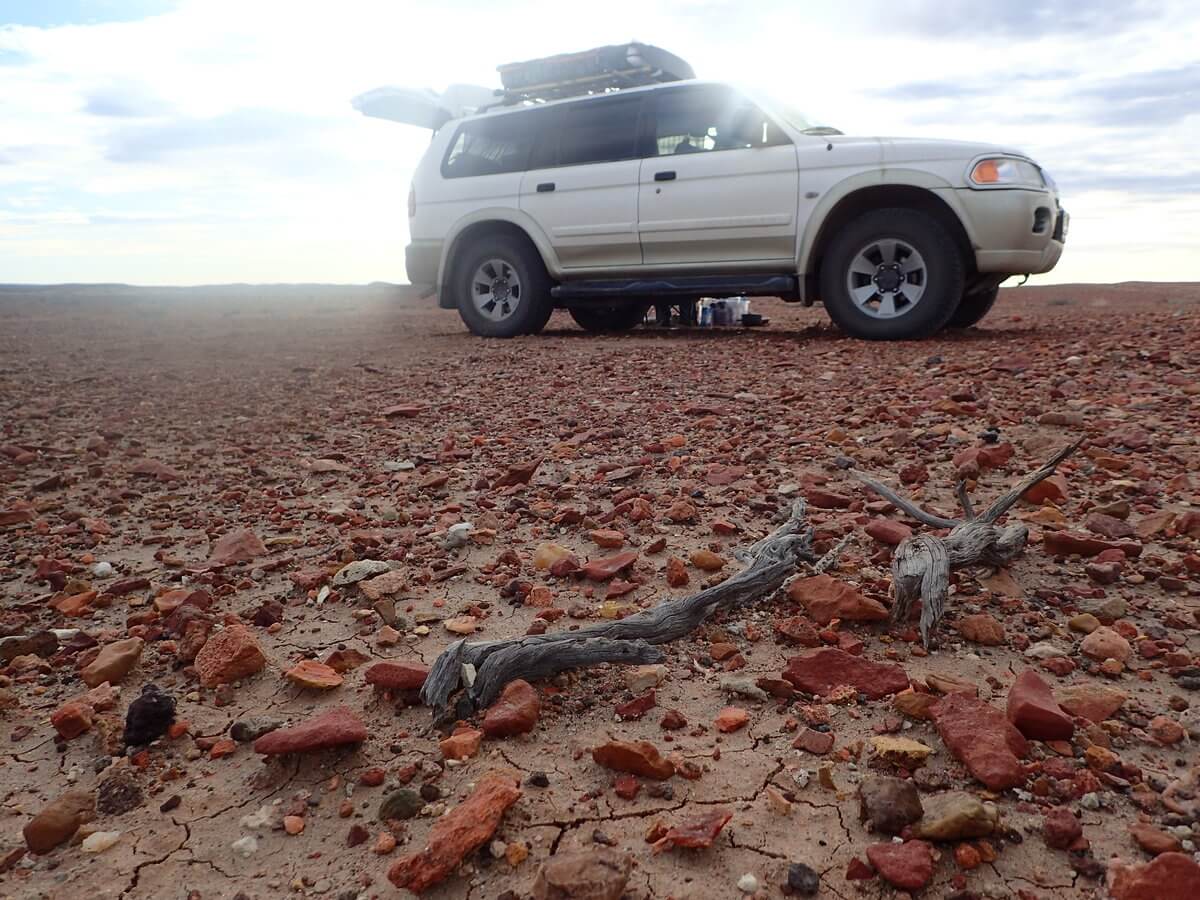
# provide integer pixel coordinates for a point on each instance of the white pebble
(747, 884)
(102, 570)
(99, 841)
(246, 846)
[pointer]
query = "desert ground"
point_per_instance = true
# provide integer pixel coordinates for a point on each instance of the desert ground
(201, 489)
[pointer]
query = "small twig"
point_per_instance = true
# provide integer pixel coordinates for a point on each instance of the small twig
(829, 560)
(925, 518)
(964, 500)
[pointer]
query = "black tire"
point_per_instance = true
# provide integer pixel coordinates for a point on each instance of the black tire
(942, 277)
(531, 309)
(609, 317)
(973, 307)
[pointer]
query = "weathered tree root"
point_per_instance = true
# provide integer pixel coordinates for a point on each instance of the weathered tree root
(487, 666)
(922, 564)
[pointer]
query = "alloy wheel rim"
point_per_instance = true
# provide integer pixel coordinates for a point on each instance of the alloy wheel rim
(887, 278)
(496, 289)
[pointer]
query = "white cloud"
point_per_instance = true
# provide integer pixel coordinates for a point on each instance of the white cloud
(216, 142)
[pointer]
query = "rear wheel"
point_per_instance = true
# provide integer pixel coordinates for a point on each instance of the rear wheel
(609, 317)
(973, 307)
(892, 274)
(502, 288)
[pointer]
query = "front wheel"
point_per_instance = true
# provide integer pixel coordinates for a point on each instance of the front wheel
(609, 317)
(502, 288)
(973, 308)
(892, 274)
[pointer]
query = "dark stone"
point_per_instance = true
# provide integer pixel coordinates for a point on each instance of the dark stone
(170, 803)
(118, 793)
(803, 880)
(149, 716)
(245, 730)
(539, 779)
(402, 804)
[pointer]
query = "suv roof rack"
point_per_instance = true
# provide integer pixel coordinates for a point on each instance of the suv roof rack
(592, 71)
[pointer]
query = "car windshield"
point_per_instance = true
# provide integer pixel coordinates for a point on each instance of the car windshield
(798, 120)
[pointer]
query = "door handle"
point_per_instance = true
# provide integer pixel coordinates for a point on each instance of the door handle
(545, 187)
(664, 176)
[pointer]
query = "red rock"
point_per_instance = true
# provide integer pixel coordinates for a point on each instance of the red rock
(343, 661)
(981, 628)
(820, 671)
(680, 511)
(457, 834)
(384, 585)
(915, 705)
(593, 874)
(816, 742)
(403, 411)
(888, 531)
(1068, 543)
(153, 468)
(1031, 708)
(229, 655)
(677, 574)
(908, 866)
(72, 719)
(1053, 489)
(515, 712)
(1152, 840)
(334, 728)
(607, 537)
(57, 822)
(857, 870)
(1104, 643)
(1170, 876)
(115, 661)
(463, 744)
(981, 737)
(731, 718)
(696, 833)
(236, 547)
(635, 757)
(637, 707)
(518, 474)
(1166, 730)
(823, 499)
(609, 566)
(827, 599)
(397, 676)
(673, 720)
(798, 630)
(1060, 828)
(1108, 526)
(626, 787)
(1094, 702)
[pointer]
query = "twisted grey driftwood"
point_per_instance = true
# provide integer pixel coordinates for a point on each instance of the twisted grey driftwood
(922, 564)
(487, 666)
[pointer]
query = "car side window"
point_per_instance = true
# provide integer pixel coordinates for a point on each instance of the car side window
(597, 131)
(703, 121)
(490, 146)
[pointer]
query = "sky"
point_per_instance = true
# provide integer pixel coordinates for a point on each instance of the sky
(211, 141)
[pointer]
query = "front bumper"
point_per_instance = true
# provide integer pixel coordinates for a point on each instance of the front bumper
(1015, 231)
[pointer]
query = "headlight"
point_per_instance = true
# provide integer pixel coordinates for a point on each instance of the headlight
(1004, 171)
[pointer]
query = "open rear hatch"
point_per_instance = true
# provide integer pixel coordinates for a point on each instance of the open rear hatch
(422, 107)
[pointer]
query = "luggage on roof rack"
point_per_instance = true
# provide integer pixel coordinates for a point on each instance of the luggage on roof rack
(591, 71)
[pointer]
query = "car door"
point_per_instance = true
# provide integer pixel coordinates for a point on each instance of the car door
(721, 186)
(582, 184)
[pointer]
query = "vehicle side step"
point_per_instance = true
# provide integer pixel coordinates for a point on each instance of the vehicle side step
(675, 286)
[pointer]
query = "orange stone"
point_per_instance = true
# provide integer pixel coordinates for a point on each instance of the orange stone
(731, 718)
(311, 674)
(463, 744)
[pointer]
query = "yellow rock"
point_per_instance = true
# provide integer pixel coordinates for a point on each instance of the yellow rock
(548, 554)
(900, 751)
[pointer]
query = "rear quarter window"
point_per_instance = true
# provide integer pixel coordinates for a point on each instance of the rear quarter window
(489, 146)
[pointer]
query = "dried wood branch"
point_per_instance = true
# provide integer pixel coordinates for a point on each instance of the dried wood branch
(485, 667)
(922, 564)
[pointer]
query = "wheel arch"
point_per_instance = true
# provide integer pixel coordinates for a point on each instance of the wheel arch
(852, 198)
(485, 223)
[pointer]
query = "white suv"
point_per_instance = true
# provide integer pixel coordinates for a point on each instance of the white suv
(665, 193)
